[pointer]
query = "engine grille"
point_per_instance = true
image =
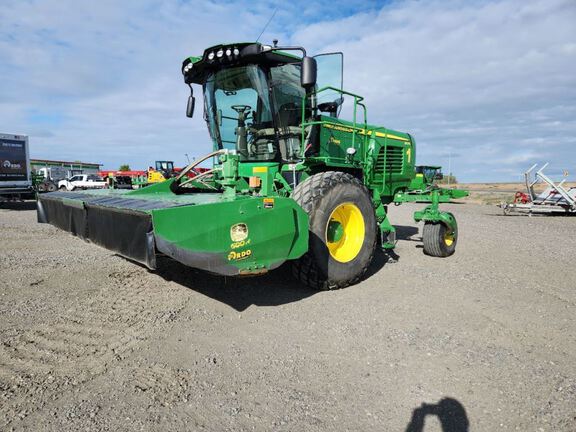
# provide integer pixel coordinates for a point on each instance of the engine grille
(392, 163)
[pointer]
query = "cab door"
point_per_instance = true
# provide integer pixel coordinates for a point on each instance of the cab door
(329, 83)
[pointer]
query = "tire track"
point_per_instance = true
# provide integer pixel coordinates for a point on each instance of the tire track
(86, 340)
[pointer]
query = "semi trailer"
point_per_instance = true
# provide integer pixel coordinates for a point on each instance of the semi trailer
(15, 176)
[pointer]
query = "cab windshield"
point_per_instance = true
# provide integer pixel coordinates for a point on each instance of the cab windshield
(239, 114)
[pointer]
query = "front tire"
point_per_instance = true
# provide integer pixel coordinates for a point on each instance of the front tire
(342, 228)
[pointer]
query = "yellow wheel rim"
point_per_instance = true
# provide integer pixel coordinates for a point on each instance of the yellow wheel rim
(448, 238)
(345, 232)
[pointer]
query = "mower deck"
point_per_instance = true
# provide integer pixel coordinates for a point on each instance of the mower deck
(194, 229)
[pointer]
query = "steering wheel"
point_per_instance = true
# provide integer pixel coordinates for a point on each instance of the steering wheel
(241, 109)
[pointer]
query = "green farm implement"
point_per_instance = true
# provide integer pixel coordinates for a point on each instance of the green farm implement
(291, 180)
(424, 183)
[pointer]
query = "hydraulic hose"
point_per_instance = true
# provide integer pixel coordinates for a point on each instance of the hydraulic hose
(176, 183)
(197, 162)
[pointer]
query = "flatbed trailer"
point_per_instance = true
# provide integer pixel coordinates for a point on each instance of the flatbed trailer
(556, 199)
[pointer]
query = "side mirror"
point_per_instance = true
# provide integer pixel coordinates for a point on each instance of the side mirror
(308, 72)
(190, 106)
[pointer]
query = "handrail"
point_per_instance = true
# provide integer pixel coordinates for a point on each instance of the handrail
(357, 102)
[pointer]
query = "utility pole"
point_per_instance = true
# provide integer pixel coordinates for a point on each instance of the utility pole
(449, 166)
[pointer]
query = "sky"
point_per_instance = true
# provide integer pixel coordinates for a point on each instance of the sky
(487, 87)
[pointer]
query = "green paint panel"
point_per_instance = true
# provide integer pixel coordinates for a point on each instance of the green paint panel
(385, 156)
(275, 231)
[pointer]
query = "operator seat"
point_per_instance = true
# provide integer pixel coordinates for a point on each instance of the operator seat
(331, 108)
(290, 133)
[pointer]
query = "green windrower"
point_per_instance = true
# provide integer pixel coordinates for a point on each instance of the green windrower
(290, 180)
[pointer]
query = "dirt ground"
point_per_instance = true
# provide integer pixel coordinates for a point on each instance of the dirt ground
(486, 338)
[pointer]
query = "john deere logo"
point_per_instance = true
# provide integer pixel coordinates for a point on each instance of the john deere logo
(239, 232)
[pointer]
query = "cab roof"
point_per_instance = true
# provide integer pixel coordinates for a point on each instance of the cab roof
(196, 69)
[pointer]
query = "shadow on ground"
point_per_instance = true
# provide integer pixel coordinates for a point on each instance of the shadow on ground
(18, 205)
(407, 232)
(450, 413)
(272, 289)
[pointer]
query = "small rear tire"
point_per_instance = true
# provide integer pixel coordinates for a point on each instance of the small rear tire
(62, 188)
(439, 240)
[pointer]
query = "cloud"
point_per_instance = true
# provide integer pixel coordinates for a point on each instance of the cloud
(490, 82)
(113, 70)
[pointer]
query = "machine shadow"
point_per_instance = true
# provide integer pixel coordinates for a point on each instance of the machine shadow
(18, 205)
(380, 259)
(450, 413)
(406, 232)
(272, 289)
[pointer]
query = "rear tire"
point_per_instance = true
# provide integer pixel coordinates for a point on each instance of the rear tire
(41, 187)
(342, 229)
(439, 240)
(62, 188)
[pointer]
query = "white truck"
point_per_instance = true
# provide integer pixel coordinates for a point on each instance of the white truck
(52, 175)
(81, 181)
(15, 176)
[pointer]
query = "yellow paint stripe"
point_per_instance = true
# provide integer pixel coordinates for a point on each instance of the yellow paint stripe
(364, 132)
(396, 137)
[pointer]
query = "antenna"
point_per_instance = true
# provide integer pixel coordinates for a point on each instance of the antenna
(266, 26)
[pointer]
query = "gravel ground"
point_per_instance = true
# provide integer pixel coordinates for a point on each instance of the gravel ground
(486, 338)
